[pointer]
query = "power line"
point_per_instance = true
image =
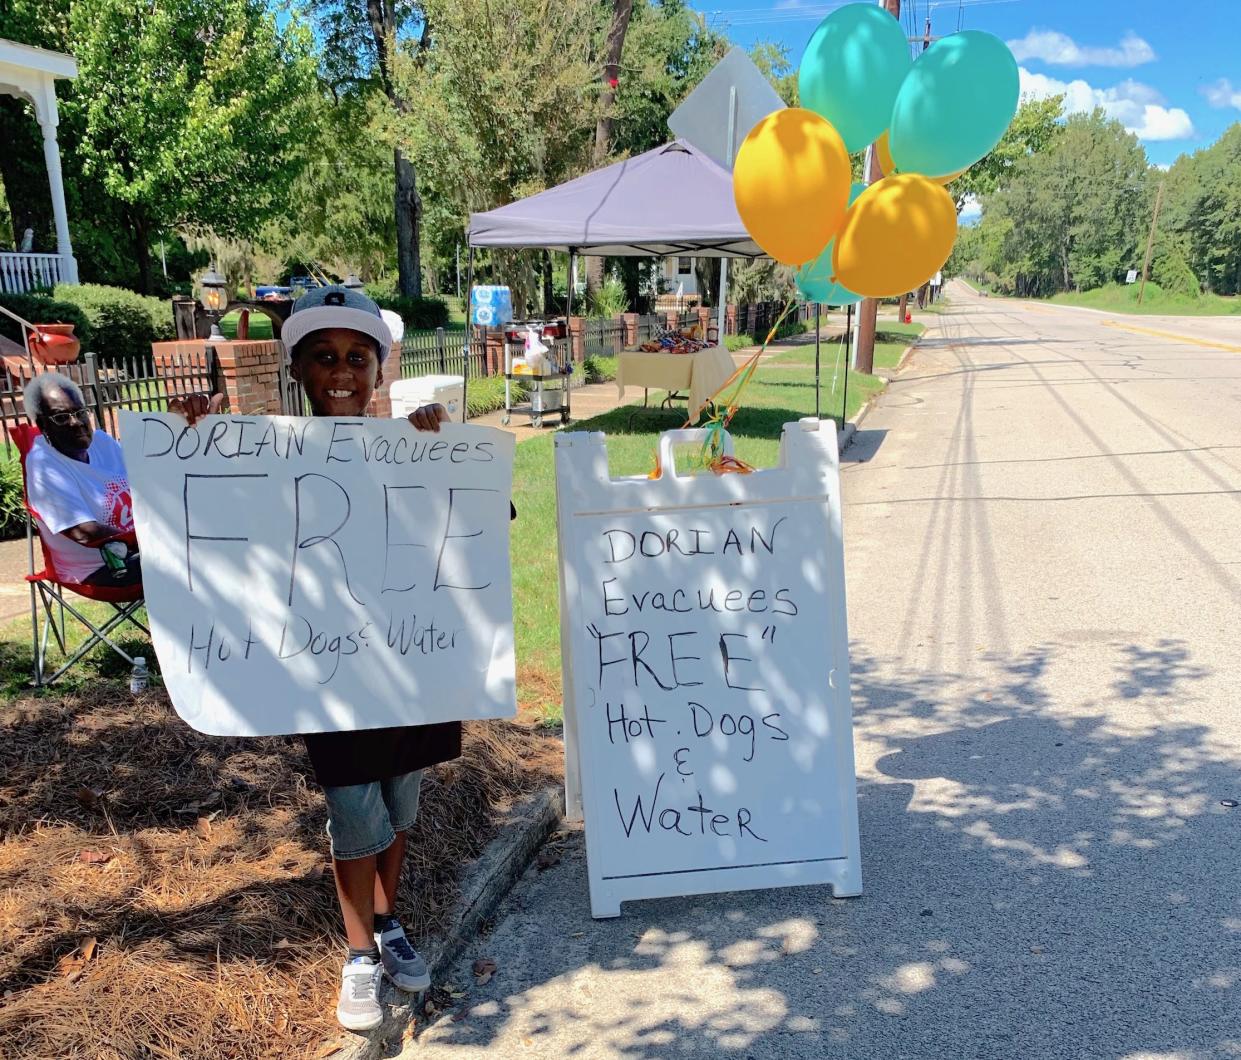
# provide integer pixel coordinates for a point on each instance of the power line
(765, 16)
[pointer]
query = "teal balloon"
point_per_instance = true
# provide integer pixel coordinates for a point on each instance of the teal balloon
(852, 69)
(826, 293)
(814, 279)
(954, 105)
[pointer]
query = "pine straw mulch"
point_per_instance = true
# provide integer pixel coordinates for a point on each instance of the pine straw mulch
(168, 894)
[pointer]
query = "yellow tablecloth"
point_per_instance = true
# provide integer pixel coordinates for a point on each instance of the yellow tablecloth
(701, 373)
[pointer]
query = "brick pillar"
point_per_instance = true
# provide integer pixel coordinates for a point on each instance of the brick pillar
(704, 318)
(381, 400)
(672, 320)
(730, 320)
(577, 340)
(250, 376)
(630, 321)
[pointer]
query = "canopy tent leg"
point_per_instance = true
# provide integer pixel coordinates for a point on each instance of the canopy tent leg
(850, 321)
(817, 309)
(469, 336)
(568, 304)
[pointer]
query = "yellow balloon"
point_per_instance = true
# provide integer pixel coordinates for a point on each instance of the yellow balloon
(896, 235)
(887, 167)
(791, 184)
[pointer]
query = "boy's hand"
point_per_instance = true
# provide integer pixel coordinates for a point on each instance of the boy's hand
(429, 417)
(195, 406)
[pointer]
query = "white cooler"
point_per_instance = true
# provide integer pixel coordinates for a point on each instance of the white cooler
(409, 394)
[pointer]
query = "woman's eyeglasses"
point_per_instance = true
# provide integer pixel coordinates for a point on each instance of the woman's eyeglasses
(67, 419)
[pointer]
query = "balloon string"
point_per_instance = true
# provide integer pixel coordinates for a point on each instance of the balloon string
(712, 456)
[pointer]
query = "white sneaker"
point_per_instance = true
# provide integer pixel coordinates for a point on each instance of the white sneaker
(359, 1008)
(401, 962)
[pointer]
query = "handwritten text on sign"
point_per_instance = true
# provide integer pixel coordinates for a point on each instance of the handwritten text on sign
(671, 629)
(314, 575)
(709, 670)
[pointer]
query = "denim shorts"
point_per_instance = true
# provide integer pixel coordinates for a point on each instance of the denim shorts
(363, 819)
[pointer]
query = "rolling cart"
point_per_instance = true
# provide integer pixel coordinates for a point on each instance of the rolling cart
(548, 394)
(548, 390)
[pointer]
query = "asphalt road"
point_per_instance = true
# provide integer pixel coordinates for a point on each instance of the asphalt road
(1043, 524)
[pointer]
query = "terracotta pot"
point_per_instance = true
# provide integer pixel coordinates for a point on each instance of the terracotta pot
(55, 344)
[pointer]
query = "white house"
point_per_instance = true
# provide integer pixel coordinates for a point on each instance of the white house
(679, 275)
(31, 73)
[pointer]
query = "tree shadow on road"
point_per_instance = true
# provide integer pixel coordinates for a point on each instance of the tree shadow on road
(1042, 879)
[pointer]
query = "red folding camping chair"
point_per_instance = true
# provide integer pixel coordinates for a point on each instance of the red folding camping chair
(47, 593)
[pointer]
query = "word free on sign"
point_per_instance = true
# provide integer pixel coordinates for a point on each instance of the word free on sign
(708, 728)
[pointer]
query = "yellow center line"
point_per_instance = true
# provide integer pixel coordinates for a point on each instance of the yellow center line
(1173, 335)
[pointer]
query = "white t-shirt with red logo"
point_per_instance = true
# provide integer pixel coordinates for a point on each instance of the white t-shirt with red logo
(66, 493)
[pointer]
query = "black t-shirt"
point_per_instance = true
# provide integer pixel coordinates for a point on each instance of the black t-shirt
(344, 758)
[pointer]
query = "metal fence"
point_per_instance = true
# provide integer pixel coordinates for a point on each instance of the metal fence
(602, 337)
(443, 352)
(135, 384)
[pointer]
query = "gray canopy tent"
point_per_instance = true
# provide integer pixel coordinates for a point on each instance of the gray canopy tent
(673, 200)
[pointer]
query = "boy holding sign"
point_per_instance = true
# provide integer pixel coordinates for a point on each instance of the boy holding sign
(338, 340)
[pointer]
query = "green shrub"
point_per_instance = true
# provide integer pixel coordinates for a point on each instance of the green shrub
(732, 343)
(486, 394)
(382, 288)
(609, 300)
(12, 511)
(1174, 276)
(42, 309)
(599, 369)
(123, 324)
(418, 313)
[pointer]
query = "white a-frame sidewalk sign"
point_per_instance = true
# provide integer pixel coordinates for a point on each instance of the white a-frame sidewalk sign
(708, 727)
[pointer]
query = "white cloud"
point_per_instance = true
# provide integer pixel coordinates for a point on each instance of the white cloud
(971, 210)
(1060, 49)
(1223, 94)
(1139, 107)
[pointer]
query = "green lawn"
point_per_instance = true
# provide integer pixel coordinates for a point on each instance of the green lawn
(260, 325)
(16, 658)
(1123, 298)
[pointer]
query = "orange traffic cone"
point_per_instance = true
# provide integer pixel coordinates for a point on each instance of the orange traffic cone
(909, 317)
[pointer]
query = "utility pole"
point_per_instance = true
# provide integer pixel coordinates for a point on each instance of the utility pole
(868, 308)
(1150, 241)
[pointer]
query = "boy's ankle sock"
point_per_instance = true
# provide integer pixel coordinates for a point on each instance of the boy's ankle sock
(385, 922)
(357, 954)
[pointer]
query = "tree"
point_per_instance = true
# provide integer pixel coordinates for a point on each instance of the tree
(195, 116)
(1033, 129)
(669, 48)
(613, 48)
(1202, 213)
(1069, 216)
(361, 42)
(504, 108)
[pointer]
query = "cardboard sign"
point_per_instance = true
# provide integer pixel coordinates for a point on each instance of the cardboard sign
(708, 727)
(320, 575)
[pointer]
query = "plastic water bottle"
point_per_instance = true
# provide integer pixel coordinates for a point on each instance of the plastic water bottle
(139, 677)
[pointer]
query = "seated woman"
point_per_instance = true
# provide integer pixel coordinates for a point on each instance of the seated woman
(77, 487)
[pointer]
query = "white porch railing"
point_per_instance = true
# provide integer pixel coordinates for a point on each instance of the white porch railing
(31, 272)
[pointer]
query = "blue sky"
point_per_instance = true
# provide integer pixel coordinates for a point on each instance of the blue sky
(1171, 72)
